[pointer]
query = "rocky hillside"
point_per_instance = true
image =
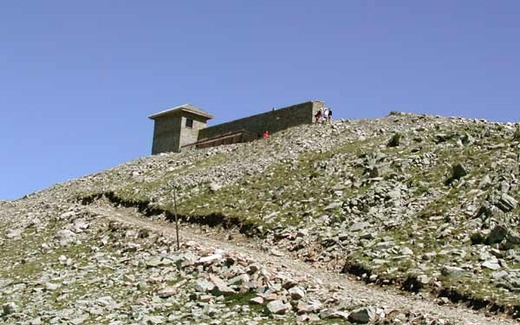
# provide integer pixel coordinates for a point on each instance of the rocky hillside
(408, 206)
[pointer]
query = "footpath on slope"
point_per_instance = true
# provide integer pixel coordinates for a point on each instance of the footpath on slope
(339, 285)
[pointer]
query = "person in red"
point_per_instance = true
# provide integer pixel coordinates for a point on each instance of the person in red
(266, 135)
(318, 116)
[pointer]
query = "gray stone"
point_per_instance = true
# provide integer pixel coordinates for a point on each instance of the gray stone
(333, 205)
(257, 300)
(303, 318)
(496, 235)
(79, 320)
(209, 259)
(15, 234)
(296, 293)
(328, 313)
(153, 320)
(107, 302)
(9, 308)
(491, 264)
(51, 286)
(154, 262)
(423, 279)
(239, 279)
(184, 259)
(203, 285)
(277, 307)
(143, 286)
(65, 237)
(363, 315)
(308, 307)
(394, 195)
(36, 321)
(485, 182)
(80, 225)
(499, 275)
(214, 187)
(440, 138)
(67, 215)
(221, 288)
(507, 203)
(513, 238)
(359, 226)
(452, 271)
(276, 252)
(5, 282)
(167, 292)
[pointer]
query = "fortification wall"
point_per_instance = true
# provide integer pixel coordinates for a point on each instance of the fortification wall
(272, 121)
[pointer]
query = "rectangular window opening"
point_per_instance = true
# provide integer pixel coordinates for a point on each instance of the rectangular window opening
(189, 123)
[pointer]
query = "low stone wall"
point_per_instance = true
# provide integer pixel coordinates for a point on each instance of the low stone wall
(273, 121)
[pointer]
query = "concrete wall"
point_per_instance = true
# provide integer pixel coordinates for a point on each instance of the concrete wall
(166, 134)
(190, 135)
(272, 121)
(171, 132)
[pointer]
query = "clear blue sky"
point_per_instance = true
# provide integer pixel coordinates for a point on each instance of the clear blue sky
(79, 78)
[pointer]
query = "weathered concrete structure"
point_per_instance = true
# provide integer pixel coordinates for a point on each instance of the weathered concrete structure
(184, 126)
(177, 127)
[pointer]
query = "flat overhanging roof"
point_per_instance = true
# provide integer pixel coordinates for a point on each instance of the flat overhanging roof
(182, 108)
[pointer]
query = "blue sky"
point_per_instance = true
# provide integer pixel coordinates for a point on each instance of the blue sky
(79, 78)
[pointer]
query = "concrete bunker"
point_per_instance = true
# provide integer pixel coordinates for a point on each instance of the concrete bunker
(185, 126)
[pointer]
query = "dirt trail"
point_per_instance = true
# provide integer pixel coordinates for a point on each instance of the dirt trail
(341, 285)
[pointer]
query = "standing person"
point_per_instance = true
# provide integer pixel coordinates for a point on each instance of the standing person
(325, 114)
(318, 116)
(329, 116)
(265, 135)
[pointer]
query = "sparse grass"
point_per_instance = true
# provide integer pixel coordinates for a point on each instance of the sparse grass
(296, 192)
(282, 191)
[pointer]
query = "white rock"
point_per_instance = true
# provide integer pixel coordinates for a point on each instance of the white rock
(51, 286)
(209, 258)
(491, 264)
(296, 293)
(278, 307)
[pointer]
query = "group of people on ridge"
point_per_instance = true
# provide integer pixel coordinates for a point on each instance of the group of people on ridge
(324, 114)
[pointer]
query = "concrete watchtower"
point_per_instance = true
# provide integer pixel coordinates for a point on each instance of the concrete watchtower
(176, 127)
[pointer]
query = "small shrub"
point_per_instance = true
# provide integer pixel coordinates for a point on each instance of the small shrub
(477, 238)
(395, 140)
(516, 136)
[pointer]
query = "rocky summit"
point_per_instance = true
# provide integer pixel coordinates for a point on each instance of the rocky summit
(404, 219)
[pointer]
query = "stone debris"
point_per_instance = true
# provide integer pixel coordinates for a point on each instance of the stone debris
(369, 198)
